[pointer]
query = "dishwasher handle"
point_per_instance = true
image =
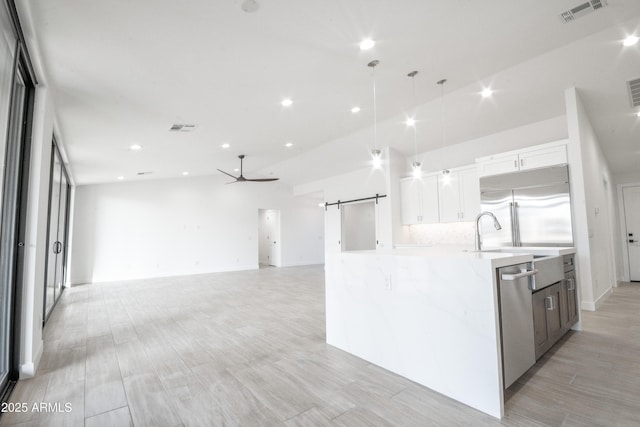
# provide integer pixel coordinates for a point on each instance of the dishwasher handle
(526, 273)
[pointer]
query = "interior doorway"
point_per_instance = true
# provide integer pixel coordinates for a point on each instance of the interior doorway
(358, 226)
(59, 197)
(269, 247)
(631, 202)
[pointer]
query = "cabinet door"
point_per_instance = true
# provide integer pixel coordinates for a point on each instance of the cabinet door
(429, 199)
(540, 322)
(469, 194)
(449, 198)
(543, 157)
(410, 205)
(571, 293)
(555, 313)
(498, 164)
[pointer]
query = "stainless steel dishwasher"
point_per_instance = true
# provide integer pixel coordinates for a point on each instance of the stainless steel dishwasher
(516, 320)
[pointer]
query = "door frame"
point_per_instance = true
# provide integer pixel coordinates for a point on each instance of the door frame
(55, 150)
(277, 237)
(623, 230)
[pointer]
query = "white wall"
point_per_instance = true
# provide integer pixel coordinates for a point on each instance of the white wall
(593, 200)
(185, 226)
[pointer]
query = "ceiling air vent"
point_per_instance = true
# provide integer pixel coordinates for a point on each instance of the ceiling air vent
(634, 92)
(182, 128)
(581, 10)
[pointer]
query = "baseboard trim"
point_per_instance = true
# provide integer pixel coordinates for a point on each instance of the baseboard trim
(28, 370)
(587, 306)
(594, 306)
(602, 298)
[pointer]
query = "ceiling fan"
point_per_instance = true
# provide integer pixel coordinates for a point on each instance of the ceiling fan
(241, 178)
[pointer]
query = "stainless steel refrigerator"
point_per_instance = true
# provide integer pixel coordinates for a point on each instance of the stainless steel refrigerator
(533, 207)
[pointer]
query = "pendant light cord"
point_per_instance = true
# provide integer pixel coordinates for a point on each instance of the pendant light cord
(415, 113)
(375, 150)
(444, 130)
(375, 110)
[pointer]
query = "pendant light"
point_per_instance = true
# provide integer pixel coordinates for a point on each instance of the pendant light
(375, 152)
(446, 176)
(411, 121)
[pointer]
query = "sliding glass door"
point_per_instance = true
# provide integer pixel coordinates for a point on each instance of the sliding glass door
(13, 212)
(57, 238)
(6, 75)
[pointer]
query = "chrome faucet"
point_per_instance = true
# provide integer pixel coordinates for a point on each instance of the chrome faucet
(496, 224)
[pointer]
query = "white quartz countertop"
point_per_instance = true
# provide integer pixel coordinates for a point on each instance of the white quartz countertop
(535, 250)
(494, 259)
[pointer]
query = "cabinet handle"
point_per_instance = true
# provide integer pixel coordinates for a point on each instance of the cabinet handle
(515, 163)
(549, 303)
(521, 162)
(571, 285)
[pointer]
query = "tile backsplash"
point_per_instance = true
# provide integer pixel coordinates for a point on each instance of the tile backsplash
(451, 233)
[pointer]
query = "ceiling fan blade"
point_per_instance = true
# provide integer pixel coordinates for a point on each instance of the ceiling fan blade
(232, 182)
(234, 177)
(241, 178)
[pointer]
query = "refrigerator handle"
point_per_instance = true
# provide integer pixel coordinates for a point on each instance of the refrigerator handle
(513, 223)
(516, 228)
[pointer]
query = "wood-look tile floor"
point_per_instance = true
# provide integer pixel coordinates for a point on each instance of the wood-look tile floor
(247, 349)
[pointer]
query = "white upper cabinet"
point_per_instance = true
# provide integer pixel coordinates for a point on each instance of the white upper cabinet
(530, 158)
(543, 157)
(459, 199)
(469, 194)
(429, 200)
(430, 212)
(449, 197)
(410, 204)
(498, 164)
(419, 200)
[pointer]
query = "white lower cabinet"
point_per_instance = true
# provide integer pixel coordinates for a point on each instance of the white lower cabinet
(419, 200)
(459, 199)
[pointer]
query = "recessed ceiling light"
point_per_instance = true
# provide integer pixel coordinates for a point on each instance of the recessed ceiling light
(355, 110)
(321, 205)
(367, 44)
(120, 178)
(225, 145)
(286, 102)
(486, 92)
(135, 147)
(289, 144)
(630, 41)
(411, 122)
(638, 114)
(236, 170)
(185, 173)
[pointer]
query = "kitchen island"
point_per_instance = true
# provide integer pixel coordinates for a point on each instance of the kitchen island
(428, 314)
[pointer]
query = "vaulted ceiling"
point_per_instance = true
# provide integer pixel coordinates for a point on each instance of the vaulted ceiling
(123, 72)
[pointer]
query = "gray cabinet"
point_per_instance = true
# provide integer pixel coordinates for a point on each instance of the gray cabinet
(548, 316)
(570, 301)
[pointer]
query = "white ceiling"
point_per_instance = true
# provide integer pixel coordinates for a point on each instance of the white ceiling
(122, 72)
